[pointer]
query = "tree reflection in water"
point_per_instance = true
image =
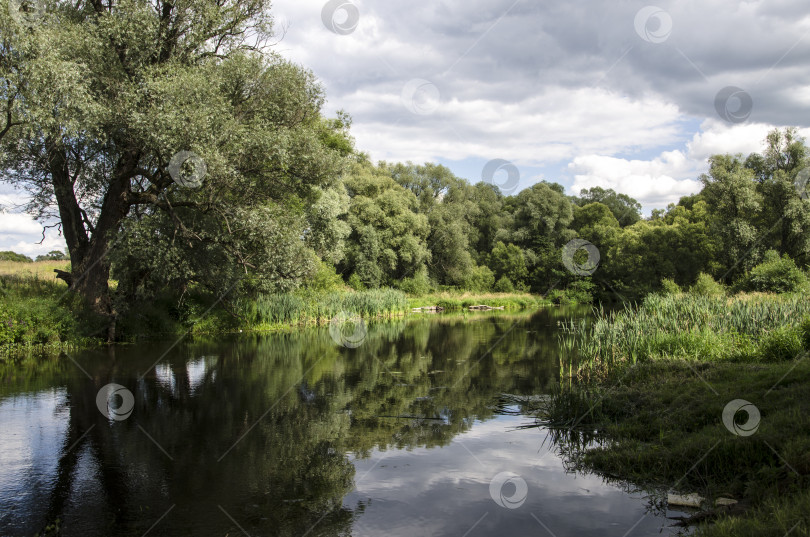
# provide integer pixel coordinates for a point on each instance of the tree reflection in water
(258, 432)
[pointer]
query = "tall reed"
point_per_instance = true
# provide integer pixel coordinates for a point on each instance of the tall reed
(289, 308)
(676, 325)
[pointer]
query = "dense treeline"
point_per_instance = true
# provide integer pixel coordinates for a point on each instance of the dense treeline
(200, 163)
(419, 227)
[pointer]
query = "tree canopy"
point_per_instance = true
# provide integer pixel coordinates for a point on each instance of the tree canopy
(177, 153)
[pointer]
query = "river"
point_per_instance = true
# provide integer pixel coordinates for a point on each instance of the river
(398, 428)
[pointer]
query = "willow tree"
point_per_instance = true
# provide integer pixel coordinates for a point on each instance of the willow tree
(133, 107)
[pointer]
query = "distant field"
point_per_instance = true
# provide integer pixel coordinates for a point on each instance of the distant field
(42, 270)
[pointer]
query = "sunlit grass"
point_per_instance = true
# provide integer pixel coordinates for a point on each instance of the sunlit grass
(742, 328)
(42, 270)
(453, 301)
(294, 309)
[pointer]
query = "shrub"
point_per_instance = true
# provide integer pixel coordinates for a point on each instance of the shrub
(578, 292)
(669, 287)
(504, 285)
(581, 291)
(707, 286)
(14, 256)
(774, 275)
(480, 279)
(53, 255)
(325, 279)
(356, 283)
(783, 343)
(804, 333)
(419, 284)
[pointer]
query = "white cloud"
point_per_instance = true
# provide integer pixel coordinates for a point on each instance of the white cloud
(554, 125)
(672, 174)
(654, 182)
(18, 224)
(22, 234)
(568, 84)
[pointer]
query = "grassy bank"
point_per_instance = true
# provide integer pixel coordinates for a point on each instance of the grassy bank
(458, 301)
(646, 393)
(38, 313)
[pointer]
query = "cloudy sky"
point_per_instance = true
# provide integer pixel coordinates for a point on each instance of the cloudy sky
(618, 94)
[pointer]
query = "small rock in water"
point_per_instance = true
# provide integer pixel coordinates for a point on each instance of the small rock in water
(686, 500)
(724, 501)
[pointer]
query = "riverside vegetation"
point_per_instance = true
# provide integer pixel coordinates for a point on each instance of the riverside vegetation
(291, 221)
(38, 313)
(644, 389)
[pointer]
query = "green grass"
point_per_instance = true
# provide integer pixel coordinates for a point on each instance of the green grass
(306, 308)
(744, 328)
(37, 314)
(458, 301)
(646, 393)
(36, 310)
(41, 270)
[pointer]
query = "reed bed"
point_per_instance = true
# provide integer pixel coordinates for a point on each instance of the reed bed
(458, 302)
(683, 326)
(292, 309)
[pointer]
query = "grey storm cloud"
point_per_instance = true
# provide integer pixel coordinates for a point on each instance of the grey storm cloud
(507, 51)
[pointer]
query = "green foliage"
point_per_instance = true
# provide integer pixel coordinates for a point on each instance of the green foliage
(53, 255)
(626, 211)
(669, 287)
(507, 261)
(13, 256)
(356, 283)
(677, 246)
(705, 285)
(480, 279)
(774, 275)
(327, 231)
(388, 240)
(454, 301)
(36, 312)
(804, 333)
(782, 343)
(504, 285)
(288, 309)
(324, 279)
(581, 291)
(419, 284)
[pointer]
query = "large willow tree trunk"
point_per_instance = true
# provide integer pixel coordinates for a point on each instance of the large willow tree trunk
(90, 243)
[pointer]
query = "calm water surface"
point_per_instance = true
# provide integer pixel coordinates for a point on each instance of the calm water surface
(295, 435)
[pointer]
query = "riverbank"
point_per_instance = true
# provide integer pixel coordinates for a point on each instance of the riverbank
(38, 313)
(691, 394)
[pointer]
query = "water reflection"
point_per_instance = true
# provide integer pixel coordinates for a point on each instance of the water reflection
(290, 434)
